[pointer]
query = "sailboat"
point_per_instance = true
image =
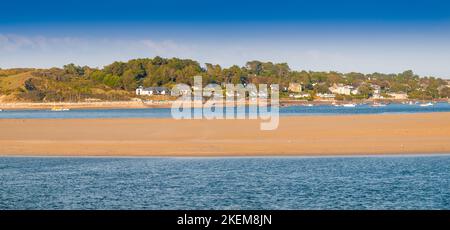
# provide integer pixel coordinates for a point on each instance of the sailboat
(349, 105)
(427, 104)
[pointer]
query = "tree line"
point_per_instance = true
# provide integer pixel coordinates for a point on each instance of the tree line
(123, 78)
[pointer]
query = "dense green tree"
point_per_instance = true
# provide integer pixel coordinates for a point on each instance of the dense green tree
(321, 88)
(29, 85)
(116, 68)
(97, 75)
(365, 90)
(112, 81)
(73, 69)
(129, 80)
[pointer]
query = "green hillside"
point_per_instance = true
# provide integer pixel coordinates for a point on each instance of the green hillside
(118, 80)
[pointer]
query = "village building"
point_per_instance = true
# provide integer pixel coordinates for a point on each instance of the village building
(326, 95)
(152, 91)
(376, 91)
(343, 89)
(295, 87)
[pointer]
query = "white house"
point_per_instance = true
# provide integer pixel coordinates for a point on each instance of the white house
(326, 95)
(152, 91)
(343, 89)
(376, 91)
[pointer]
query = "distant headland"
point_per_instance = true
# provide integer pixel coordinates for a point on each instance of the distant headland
(127, 84)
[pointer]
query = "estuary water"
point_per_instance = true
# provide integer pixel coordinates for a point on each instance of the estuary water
(375, 182)
(166, 112)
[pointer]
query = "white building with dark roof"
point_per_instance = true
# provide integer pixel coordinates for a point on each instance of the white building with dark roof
(152, 91)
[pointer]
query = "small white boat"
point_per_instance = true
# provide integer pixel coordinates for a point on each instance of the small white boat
(378, 105)
(427, 104)
(310, 105)
(57, 109)
(349, 105)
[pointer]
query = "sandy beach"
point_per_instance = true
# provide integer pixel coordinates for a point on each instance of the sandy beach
(82, 105)
(302, 135)
(138, 104)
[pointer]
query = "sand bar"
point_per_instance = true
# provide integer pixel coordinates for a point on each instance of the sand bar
(301, 135)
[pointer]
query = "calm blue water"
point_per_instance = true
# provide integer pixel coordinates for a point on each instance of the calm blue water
(166, 112)
(400, 182)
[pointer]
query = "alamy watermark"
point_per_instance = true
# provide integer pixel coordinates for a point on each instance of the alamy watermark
(235, 102)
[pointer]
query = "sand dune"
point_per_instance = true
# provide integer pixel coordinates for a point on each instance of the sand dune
(308, 135)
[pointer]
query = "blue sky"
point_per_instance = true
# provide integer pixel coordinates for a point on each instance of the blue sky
(346, 35)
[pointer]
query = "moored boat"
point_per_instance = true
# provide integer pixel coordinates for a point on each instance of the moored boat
(59, 109)
(427, 104)
(349, 105)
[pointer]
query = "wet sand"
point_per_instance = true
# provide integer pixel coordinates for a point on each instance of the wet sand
(301, 135)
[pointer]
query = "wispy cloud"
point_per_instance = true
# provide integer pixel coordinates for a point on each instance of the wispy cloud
(13, 43)
(17, 50)
(426, 57)
(166, 47)
(10, 43)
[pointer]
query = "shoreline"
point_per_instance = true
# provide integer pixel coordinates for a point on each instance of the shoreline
(79, 105)
(306, 156)
(138, 104)
(351, 135)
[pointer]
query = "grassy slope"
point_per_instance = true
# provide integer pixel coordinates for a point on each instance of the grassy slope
(11, 85)
(12, 88)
